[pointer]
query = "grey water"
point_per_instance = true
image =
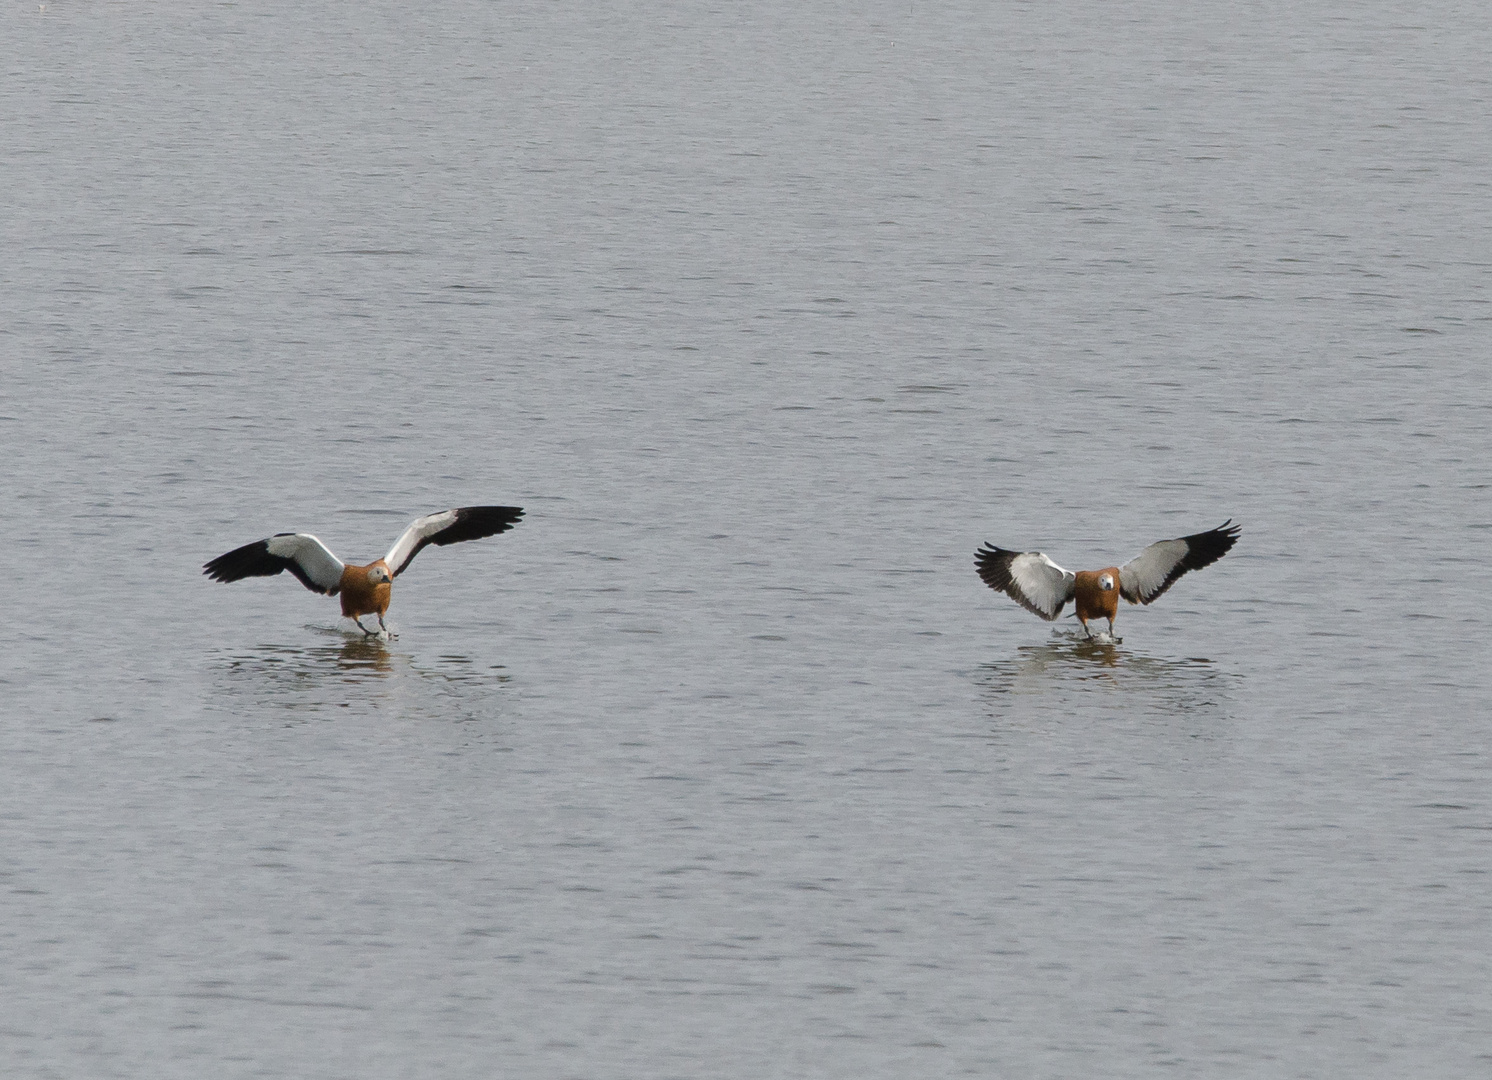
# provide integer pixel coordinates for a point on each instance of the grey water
(724, 762)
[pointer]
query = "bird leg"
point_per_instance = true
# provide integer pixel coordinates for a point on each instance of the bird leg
(385, 627)
(1086, 631)
(366, 632)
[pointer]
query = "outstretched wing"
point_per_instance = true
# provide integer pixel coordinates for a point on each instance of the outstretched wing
(450, 527)
(1153, 570)
(301, 553)
(1028, 577)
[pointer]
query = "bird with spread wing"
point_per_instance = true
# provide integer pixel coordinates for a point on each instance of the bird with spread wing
(1044, 588)
(365, 590)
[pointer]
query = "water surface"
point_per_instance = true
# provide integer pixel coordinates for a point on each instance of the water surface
(724, 762)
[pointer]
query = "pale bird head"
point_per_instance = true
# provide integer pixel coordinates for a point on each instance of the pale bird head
(1106, 582)
(378, 575)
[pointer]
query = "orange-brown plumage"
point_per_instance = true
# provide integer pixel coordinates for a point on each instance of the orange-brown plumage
(1093, 600)
(366, 590)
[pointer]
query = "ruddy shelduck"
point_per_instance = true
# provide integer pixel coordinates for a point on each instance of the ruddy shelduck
(1044, 588)
(365, 589)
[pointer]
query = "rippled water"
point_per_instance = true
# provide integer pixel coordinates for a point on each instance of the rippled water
(724, 762)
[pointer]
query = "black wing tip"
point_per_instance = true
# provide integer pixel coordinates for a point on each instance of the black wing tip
(241, 562)
(991, 553)
(477, 523)
(508, 514)
(992, 563)
(1206, 548)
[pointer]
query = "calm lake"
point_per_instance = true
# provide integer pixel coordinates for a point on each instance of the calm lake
(724, 762)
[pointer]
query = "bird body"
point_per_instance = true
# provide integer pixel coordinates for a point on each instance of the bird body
(1094, 595)
(1044, 588)
(365, 590)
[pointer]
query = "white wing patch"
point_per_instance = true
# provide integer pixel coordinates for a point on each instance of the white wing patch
(311, 555)
(1045, 584)
(1155, 569)
(1027, 577)
(420, 530)
(1145, 576)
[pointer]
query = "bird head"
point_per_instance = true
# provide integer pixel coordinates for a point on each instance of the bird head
(379, 575)
(1106, 582)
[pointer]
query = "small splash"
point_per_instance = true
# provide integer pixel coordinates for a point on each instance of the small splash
(349, 630)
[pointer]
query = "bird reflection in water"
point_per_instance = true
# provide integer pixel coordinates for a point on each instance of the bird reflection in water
(360, 671)
(354, 657)
(1070, 665)
(364, 656)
